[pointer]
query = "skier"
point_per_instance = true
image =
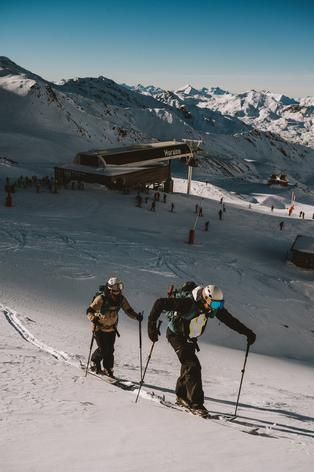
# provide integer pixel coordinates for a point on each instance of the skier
(281, 225)
(103, 312)
(138, 200)
(190, 316)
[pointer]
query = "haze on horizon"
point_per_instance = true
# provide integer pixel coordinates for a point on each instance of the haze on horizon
(236, 45)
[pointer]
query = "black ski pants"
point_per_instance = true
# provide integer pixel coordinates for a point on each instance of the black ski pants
(105, 342)
(189, 384)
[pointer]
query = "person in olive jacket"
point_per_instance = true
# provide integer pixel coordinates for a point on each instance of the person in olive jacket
(103, 312)
(189, 316)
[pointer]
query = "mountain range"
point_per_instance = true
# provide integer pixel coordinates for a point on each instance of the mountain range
(249, 135)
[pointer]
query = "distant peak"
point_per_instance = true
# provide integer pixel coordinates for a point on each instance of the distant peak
(218, 91)
(187, 90)
(6, 61)
(11, 68)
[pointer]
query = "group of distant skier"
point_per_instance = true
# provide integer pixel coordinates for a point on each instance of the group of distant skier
(157, 198)
(188, 312)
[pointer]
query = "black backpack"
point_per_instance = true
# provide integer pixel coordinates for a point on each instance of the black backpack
(102, 290)
(184, 291)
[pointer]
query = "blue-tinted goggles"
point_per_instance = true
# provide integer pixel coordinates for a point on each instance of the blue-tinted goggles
(217, 304)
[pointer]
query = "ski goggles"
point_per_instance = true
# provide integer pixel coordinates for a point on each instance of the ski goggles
(116, 289)
(217, 304)
(213, 306)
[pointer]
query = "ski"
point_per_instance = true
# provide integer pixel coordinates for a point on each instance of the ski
(227, 420)
(116, 381)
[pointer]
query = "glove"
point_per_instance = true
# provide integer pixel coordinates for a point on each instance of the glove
(153, 332)
(139, 317)
(95, 320)
(251, 338)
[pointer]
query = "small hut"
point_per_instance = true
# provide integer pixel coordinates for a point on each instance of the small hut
(302, 252)
(280, 179)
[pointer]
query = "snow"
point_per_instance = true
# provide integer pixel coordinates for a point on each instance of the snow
(55, 251)
(57, 248)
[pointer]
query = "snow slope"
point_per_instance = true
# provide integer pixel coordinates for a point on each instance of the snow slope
(55, 249)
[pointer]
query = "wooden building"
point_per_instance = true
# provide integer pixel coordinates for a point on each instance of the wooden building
(126, 167)
(280, 179)
(302, 252)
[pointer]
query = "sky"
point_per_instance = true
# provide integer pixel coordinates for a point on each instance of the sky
(237, 45)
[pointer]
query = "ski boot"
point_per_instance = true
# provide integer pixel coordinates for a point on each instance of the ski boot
(200, 410)
(108, 372)
(95, 367)
(182, 402)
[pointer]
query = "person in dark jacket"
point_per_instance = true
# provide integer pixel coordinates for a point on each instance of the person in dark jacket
(188, 322)
(103, 312)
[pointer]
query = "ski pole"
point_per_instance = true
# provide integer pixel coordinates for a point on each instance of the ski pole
(243, 370)
(140, 343)
(148, 359)
(90, 349)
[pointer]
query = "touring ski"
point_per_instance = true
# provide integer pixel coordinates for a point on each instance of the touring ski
(227, 420)
(116, 381)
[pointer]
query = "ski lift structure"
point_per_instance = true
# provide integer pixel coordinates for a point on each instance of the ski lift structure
(133, 166)
(191, 161)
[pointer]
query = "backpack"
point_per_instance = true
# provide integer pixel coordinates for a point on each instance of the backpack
(191, 324)
(184, 291)
(101, 291)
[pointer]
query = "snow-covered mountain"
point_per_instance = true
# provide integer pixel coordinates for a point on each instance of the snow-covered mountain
(50, 122)
(291, 119)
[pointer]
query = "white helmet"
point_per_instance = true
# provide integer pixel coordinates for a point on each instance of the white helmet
(212, 293)
(115, 284)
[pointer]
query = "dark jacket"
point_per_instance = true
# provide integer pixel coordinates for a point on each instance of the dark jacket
(188, 310)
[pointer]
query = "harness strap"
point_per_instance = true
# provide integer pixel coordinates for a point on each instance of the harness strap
(195, 344)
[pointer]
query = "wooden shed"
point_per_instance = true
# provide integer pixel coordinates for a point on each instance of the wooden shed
(302, 252)
(278, 179)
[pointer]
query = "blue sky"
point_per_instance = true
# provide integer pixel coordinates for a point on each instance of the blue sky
(237, 45)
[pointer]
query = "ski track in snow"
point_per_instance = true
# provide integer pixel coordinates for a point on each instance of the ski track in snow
(162, 262)
(260, 427)
(15, 320)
